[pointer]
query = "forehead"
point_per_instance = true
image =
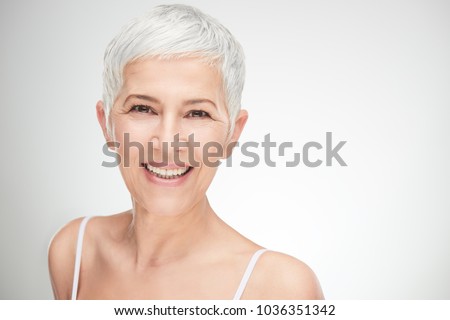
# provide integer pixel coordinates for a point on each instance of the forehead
(173, 77)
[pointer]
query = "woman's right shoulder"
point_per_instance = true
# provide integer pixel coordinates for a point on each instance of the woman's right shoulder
(63, 246)
(61, 258)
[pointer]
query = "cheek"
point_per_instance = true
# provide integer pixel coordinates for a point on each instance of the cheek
(133, 140)
(134, 137)
(211, 146)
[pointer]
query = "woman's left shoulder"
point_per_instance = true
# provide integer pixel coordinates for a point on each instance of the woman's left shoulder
(279, 276)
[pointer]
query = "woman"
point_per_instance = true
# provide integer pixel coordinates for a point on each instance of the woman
(172, 88)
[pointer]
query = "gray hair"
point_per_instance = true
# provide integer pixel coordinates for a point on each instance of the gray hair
(170, 32)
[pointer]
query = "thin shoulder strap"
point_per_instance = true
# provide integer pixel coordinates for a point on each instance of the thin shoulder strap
(76, 273)
(248, 273)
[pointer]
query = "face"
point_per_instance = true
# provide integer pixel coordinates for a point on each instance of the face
(171, 123)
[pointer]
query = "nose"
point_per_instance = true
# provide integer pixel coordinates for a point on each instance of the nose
(166, 138)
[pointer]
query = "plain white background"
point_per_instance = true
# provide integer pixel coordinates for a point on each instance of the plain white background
(375, 73)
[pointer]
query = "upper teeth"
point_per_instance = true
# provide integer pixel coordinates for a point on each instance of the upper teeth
(167, 172)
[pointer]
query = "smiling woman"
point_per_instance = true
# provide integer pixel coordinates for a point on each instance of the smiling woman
(174, 75)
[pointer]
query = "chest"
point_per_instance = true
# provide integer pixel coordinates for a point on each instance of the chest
(176, 281)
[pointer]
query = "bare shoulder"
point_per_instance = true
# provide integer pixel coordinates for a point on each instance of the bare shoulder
(62, 248)
(278, 276)
(61, 259)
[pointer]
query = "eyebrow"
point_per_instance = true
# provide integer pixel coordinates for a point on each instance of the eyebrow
(199, 101)
(142, 97)
(185, 102)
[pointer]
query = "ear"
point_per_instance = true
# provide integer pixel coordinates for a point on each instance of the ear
(239, 125)
(101, 116)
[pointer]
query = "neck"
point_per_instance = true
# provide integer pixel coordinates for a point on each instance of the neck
(159, 239)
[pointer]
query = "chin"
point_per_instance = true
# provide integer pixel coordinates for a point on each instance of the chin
(168, 205)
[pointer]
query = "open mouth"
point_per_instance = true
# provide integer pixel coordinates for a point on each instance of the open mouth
(162, 173)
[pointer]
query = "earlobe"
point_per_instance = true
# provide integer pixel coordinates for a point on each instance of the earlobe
(239, 125)
(101, 117)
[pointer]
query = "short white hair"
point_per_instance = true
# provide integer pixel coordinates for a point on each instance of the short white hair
(170, 32)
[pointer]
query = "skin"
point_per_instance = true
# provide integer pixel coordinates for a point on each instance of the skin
(171, 244)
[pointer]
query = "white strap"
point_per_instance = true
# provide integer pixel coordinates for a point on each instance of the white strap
(248, 273)
(76, 274)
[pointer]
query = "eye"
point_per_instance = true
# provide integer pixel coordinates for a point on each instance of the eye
(197, 114)
(141, 108)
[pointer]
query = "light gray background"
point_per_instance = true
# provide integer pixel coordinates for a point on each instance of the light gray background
(375, 73)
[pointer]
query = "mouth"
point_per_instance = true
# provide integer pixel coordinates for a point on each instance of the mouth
(166, 173)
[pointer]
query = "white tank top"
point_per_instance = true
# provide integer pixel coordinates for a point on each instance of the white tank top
(76, 275)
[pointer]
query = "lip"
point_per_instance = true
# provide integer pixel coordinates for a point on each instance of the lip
(168, 166)
(175, 182)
